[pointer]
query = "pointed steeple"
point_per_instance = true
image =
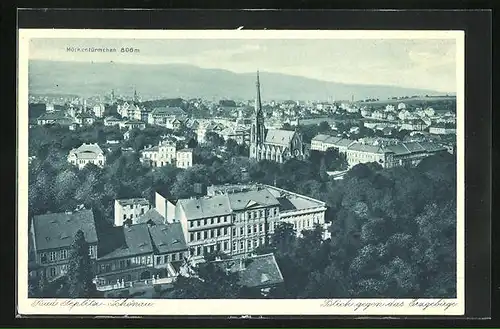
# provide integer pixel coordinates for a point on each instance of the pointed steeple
(136, 97)
(257, 133)
(258, 103)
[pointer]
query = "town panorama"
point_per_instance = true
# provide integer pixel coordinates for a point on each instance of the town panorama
(133, 197)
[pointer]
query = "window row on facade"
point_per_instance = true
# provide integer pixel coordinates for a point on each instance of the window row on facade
(63, 254)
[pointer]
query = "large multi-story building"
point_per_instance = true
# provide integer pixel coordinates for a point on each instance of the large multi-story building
(237, 219)
(130, 210)
(206, 223)
(159, 155)
(323, 142)
(165, 153)
(52, 236)
(85, 154)
(387, 154)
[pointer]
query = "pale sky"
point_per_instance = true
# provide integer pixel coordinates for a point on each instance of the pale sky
(420, 63)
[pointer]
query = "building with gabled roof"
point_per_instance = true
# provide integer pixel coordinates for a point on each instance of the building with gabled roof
(148, 251)
(85, 154)
(57, 118)
(165, 116)
(52, 235)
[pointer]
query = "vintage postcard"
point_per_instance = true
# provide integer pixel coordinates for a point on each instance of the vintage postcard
(239, 172)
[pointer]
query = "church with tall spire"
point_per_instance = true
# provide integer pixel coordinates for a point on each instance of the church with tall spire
(272, 144)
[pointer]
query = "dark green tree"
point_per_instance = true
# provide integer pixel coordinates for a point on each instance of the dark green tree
(80, 272)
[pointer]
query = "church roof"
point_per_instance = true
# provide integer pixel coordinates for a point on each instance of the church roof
(279, 137)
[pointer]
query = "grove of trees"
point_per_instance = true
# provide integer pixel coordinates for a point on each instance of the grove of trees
(393, 230)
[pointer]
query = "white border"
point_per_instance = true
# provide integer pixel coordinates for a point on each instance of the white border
(229, 307)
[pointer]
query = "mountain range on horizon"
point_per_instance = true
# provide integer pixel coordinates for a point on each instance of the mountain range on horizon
(188, 81)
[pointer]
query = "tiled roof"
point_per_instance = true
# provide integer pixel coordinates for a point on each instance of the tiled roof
(414, 147)
(57, 115)
(366, 148)
(58, 230)
(258, 271)
(168, 237)
(242, 200)
(344, 142)
(152, 215)
(398, 149)
(167, 111)
(297, 203)
(279, 137)
(137, 239)
(206, 207)
(432, 147)
(320, 138)
(90, 150)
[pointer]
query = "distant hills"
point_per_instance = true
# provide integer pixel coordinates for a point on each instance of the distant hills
(187, 81)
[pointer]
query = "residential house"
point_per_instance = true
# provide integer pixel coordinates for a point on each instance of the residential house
(414, 125)
(52, 236)
(126, 135)
(87, 153)
(366, 113)
(130, 210)
(98, 110)
(184, 158)
(149, 252)
(57, 118)
(379, 114)
(207, 127)
(130, 110)
(405, 115)
(166, 116)
(391, 117)
(133, 124)
(429, 112)
(111, 121)
(159, 155)
(389, 108)
(85, 119)
(49, 107)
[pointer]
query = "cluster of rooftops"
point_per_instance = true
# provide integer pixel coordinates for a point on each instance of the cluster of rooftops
(398, 148)
(150, 235)
(223, 200)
